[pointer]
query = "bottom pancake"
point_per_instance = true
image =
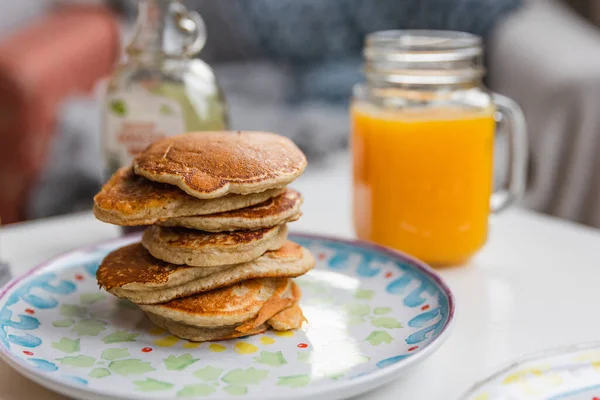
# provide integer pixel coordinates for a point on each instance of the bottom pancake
(196, 334)
(288, 319)
(245, 305)
(238, 310)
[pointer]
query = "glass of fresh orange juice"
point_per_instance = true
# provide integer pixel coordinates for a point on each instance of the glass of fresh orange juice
(423, 129)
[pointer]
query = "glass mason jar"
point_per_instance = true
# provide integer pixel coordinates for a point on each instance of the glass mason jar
(160, 90)
(423, 129)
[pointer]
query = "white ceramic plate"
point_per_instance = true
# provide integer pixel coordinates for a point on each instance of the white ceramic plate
(566, 373)
(372, 312)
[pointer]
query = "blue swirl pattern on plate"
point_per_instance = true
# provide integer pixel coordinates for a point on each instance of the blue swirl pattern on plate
(378, 311)
(432, 321)
(29, 295)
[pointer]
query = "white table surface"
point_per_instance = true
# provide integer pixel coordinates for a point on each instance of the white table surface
(534, 286)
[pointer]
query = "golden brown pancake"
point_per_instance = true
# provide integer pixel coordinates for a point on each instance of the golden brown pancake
(212, 164)
(198, 334)
(204, 249)
(288, 319)
(251, 302)
(277, 210)
(131, 200)
(242, 309)
(132, 273)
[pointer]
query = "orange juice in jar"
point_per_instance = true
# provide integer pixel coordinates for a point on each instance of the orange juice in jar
(423, 129)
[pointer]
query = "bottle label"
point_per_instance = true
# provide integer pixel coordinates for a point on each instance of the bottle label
(136, 118)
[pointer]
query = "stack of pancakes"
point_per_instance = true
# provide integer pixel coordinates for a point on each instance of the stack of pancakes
(215, 262)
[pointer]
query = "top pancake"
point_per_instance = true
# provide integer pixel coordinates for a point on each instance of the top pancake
(131, 200)
(208, 165)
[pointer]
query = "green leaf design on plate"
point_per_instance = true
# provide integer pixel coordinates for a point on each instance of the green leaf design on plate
(72, 310)
(77, 361)
(103, 313)
(152, 385)
(361, 359)
(382, 310)
(201, 389)
(91, 298)
(293, 381)
(99, 373)
(89, 327)
(120, 336)
(118, 107)
(336, 375)
(354, 320)
(165, 110)
(63, 323)
(114, 354)
(376, 338)
(250, 376)
(319, 299)
(274, 359)
(179, 363)
(67, 345)
(364, 294)
(314, 285)
(236, 390)
(386, 322)
(305, 357)
(208, 373)
(358, 309)
(130, 366)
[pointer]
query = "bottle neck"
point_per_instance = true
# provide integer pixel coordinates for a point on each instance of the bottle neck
(155, 32)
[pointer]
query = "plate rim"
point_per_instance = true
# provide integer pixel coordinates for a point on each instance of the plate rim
(515, 363)
(359, 385)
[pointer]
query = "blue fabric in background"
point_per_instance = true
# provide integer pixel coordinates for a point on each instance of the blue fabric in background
(265, 51)
(308, 31)
(323, 39)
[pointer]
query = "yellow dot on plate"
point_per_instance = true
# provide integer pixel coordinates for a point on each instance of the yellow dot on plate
(267, 340)
(191, 345)
(216, 348)
(285, 333)
(166, 341)
(155, 330)
(245, 348)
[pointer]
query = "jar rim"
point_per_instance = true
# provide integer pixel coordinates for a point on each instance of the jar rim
(423, 57)
(423, 39)
(422, 46)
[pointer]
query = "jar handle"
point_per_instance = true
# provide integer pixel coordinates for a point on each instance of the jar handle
(516, 130)
(192, 24)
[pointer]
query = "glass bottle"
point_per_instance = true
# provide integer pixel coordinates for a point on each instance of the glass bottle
(160, 90)
(423, 131)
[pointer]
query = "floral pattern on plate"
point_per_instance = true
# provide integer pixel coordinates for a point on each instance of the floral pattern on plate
(371, 312)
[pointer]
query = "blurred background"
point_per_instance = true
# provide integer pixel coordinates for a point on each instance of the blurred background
(288, 66)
